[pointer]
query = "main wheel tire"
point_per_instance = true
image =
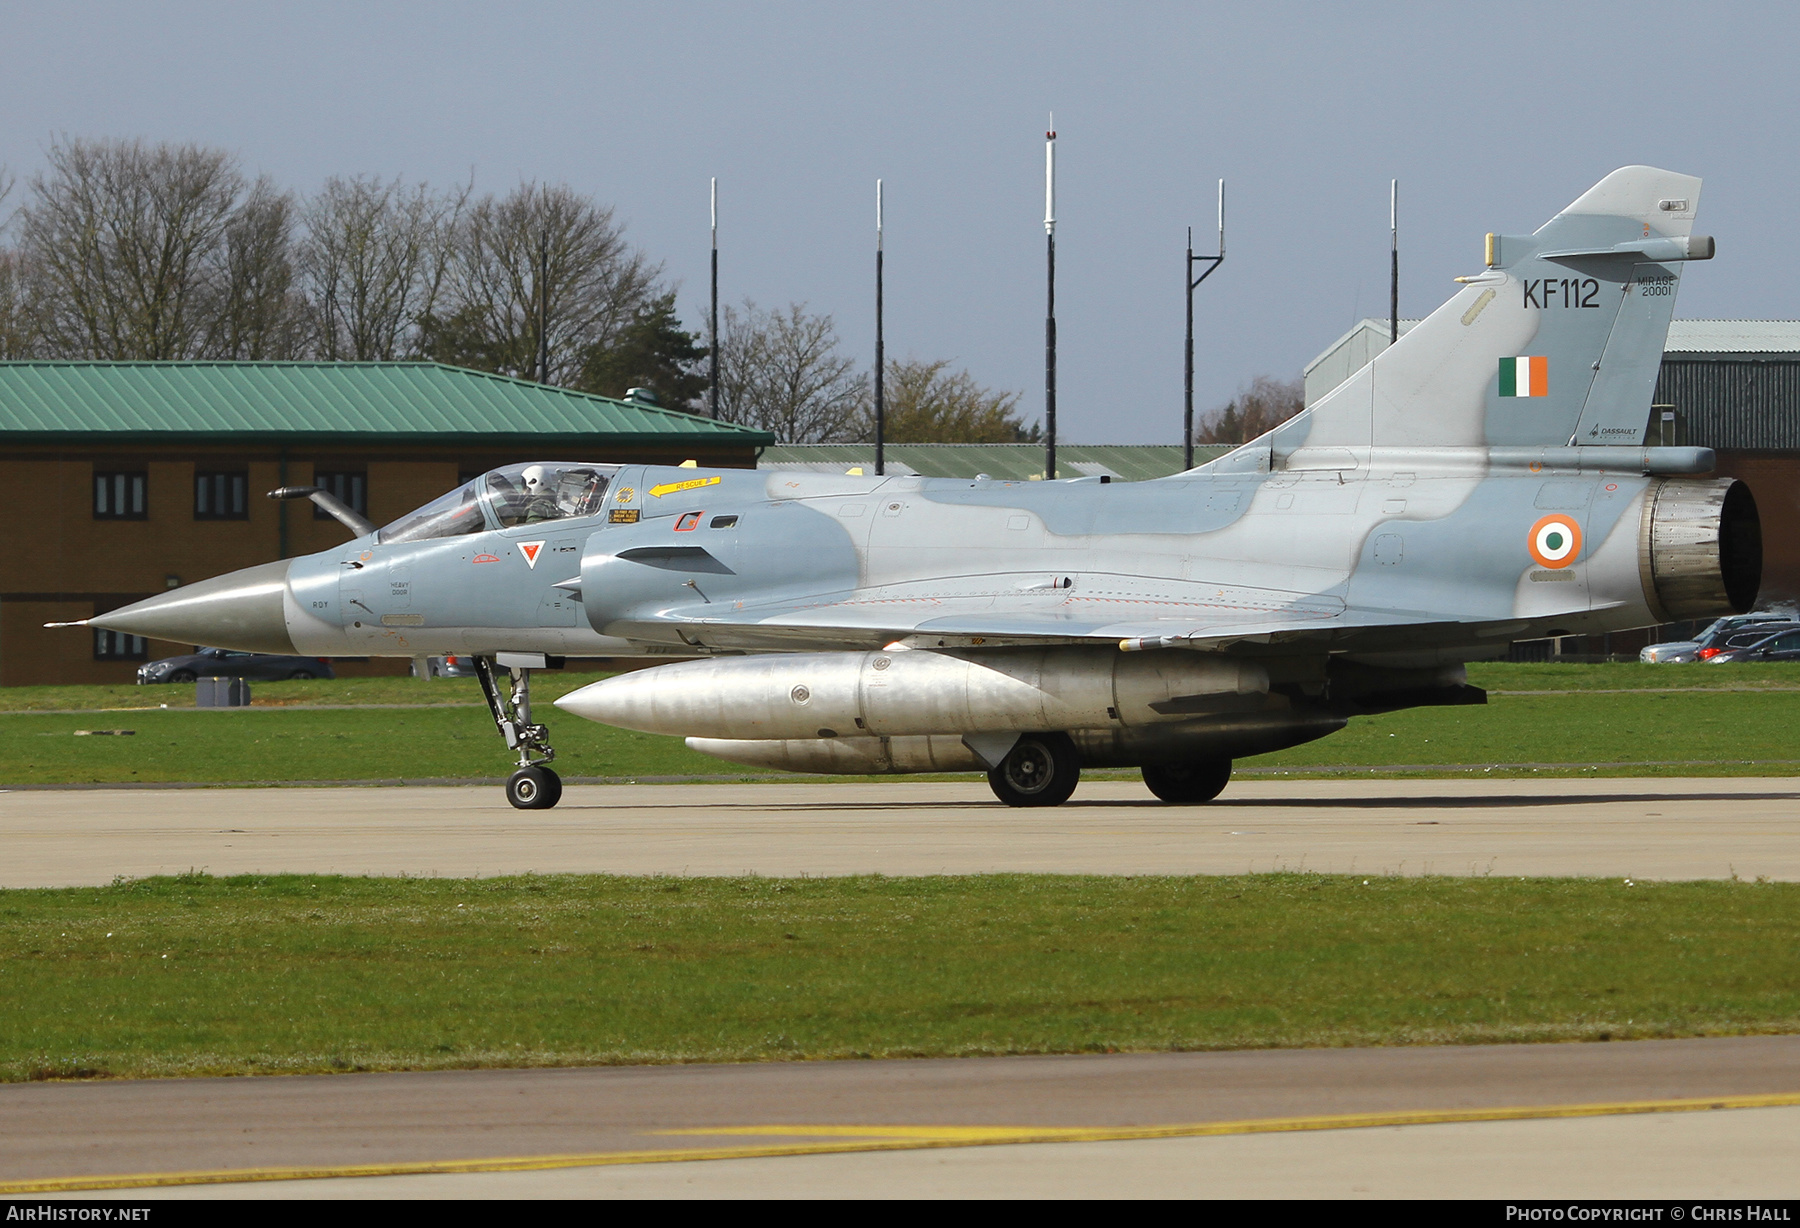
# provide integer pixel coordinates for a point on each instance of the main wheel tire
(302, 675)
(1188, 784)
(1042, 769)
(534, 788)
(182, 675)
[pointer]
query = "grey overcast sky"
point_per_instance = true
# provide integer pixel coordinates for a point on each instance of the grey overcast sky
(1491, 115)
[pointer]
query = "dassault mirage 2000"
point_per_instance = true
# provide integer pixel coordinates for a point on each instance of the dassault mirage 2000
(1481, 481)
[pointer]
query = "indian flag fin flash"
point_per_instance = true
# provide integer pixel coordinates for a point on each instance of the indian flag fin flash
(1527, 376)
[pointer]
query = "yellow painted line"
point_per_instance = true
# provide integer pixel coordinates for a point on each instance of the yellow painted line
(671, 488)
(935, 1134)
(854, 1138)
(975, 1135)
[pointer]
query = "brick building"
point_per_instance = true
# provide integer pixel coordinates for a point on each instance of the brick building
(124, 479)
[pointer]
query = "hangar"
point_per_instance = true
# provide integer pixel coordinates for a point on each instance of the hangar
(122, 479)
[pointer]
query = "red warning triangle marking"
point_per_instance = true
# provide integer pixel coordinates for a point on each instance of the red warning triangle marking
(531, 550)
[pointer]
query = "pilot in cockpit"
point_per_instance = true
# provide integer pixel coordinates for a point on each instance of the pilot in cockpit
(540, 498)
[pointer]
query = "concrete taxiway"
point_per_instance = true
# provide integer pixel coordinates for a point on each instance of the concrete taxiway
(1679, 1118)
(1596, 1120)
(1647, 828)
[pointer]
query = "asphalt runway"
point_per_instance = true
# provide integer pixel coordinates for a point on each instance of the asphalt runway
(1646, 1119)
(1648, 828)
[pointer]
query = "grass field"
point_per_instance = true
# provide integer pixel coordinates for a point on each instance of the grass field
(211, 976)
(307, 744)
(1629, 719)
(545, 686)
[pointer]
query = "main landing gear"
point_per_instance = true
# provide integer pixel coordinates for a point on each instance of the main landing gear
(1042, 769)
(534, 786)
(1188, 784)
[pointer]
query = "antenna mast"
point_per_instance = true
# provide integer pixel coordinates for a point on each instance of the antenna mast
(1394, 254)
(712, 348)
(1193, 283)
(880, 357)
(1050, 301)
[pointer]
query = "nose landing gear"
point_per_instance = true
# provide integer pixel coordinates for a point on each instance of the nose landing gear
(534, 786)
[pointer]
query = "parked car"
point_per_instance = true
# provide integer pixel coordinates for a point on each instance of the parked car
(1782, 646)
(1748, 637)
(450, 667)
(224, 663)
(1683, 651)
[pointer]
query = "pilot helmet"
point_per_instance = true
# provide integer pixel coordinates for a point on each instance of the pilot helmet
(533, 477)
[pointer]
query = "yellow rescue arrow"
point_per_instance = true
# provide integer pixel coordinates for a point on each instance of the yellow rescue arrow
(672, 488)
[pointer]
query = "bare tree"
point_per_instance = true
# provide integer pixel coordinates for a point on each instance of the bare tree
(929, 403)
(373, 259)
(18, 323)
(592, 284)
(124, 239)
(17, 327)
(135, 251)
(257, 313)
(781, 370)
(1256, 410)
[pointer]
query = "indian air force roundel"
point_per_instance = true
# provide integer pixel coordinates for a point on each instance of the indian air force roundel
(1555, 541)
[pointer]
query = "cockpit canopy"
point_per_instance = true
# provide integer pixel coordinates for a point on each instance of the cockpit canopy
(503, 498)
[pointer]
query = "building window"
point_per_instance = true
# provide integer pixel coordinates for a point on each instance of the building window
(351, 488)
(117, 646)
(221, 496)
(119, 496)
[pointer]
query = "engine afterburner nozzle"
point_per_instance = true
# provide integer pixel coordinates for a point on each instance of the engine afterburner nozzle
(241, 609)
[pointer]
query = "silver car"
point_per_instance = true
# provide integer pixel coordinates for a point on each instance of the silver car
(1686, 651)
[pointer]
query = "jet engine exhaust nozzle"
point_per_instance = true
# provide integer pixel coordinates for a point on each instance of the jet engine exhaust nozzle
(1702, 548)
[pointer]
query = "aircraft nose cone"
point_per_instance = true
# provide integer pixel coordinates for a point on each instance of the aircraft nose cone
(241, 609)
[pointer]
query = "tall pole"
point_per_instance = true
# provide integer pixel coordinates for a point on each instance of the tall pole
(1394, 255)
(880, 354)
(712, 330)
(543, 279)
(1187, 361)
(1050, 302)
(1193, 283)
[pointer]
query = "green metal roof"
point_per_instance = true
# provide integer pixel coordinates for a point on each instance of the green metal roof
(341, 400)
(1016, 461)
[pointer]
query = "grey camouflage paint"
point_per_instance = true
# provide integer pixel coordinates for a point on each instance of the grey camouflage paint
(1388, 527)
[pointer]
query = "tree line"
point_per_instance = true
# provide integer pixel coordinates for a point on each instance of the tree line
(124, 250)
(1256, 410)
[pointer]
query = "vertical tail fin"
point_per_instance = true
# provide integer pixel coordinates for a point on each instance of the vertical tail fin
(1558, 341)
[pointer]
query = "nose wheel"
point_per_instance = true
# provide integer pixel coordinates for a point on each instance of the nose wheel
(534, 786)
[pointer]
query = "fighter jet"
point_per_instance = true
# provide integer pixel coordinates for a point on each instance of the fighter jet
(1483, 480)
